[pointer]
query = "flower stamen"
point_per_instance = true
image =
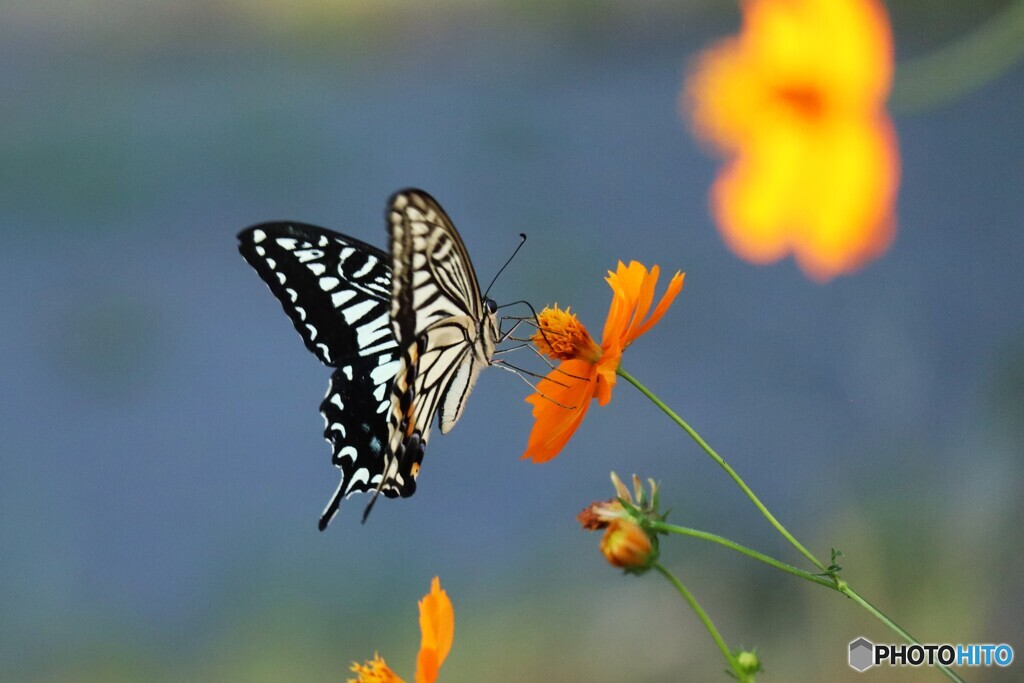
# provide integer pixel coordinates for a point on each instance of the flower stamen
(562, 336)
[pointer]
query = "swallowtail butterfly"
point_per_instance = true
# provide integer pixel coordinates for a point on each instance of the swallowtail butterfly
(406, 334)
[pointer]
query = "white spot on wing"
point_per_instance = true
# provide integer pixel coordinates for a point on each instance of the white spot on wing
(367, 267)
(258, 236)
(383, 374)
(329, 283)
(357, 311)
(339, 299)
(362, 475)
(306, 255)
(371, 332)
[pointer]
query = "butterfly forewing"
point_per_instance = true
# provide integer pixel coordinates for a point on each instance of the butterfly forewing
(433, 277)
(335, 289)
(440, 319)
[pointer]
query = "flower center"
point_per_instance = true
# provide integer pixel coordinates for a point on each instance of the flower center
(807, 101)
(563, 337)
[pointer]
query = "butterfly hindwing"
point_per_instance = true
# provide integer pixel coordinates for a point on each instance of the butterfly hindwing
(355, 424)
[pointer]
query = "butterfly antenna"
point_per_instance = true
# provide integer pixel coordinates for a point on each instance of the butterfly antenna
(522, 241)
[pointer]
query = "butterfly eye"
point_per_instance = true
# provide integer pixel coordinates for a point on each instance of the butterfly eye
(491, 306)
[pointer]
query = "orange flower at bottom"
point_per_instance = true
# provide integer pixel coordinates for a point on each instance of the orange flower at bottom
(588, 370)
(437, 626)
(796, 102)
(375, 671)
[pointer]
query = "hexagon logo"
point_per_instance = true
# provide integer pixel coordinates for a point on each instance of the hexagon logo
(862, 654)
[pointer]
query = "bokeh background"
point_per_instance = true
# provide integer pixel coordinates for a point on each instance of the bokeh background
(161, 459)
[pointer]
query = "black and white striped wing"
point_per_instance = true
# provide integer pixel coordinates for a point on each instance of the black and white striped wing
(335, 289)
(337, 292)
(437, 315)
(432, 276)
(355, 423)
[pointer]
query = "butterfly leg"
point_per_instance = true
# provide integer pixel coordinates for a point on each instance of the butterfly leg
(517, 372)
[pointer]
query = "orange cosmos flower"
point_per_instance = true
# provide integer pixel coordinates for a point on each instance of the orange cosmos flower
(437, 625)
(562, 400)
(797, 102)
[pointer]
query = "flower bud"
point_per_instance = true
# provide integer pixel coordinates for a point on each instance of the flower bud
(748, 661)
(625, 544)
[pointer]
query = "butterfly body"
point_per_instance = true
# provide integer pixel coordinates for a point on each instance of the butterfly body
(407, 334)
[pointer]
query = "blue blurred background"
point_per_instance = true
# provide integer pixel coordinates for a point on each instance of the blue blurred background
(161, 461)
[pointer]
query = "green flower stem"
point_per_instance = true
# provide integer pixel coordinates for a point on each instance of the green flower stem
(725, 466)
(846, 590)
(952, 71)
(833, 582)
(836, 583)
(732, 545)
(708, 624)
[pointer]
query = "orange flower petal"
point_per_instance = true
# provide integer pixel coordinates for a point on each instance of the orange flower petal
(796, 101)
(555, 424)
(620, 310)
(606, 379)
(643, 298)
(437, 625)
(675, 285)
(755, 199)
(857, 222)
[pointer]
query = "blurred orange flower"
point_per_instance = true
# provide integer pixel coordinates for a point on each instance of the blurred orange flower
(588, 370)
(797, 103)
(437, 626)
